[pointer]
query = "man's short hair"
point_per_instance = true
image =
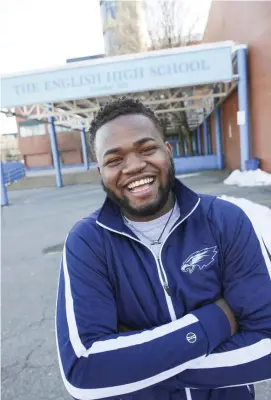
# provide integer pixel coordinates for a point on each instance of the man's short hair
(116, 108)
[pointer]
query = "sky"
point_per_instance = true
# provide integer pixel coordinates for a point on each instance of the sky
(36, 34)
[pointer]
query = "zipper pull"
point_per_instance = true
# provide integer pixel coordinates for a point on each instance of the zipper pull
(167, 289)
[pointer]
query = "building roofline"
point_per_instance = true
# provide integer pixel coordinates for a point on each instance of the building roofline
(132, 56)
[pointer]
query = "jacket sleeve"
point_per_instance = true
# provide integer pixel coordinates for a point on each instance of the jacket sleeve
(96, 361)
(246, 357)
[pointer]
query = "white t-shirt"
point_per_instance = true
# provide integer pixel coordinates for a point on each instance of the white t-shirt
(149, 231)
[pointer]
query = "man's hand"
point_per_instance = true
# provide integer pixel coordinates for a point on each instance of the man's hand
(231, 317)
(124, 328)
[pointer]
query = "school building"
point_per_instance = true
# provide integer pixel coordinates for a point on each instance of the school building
(225, 95)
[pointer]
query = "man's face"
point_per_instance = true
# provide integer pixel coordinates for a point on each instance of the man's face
(135, 164)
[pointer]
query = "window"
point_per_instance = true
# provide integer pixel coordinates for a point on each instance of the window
(32, 128)
(60, 129)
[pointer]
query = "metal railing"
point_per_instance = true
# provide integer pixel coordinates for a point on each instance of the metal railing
(10, 172)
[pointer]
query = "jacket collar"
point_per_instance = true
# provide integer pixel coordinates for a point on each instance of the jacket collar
(110, 216)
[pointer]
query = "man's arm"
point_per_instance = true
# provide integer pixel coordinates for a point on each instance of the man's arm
(246, 357)
(220, 303)
(97, 361)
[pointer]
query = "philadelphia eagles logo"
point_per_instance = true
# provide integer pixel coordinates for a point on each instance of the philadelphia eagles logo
(200, 259)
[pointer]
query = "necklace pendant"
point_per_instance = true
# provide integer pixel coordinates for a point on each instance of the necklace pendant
(167, 289)
(155, 242)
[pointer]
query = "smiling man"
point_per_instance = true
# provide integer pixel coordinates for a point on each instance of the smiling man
(164, 293)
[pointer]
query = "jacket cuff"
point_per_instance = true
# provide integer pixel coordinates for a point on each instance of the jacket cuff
(215, 325)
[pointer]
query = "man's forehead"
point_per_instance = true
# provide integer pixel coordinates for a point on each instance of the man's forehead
(130, 122)
(125, 130)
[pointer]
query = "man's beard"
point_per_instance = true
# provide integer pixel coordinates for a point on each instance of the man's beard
(154, 207)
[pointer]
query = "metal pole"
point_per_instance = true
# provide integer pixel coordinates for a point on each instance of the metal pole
(52, 133)
(209, 136)
(199, 141)
(4, 194)
(84, 147)
(243, 113)
(194, 143)
(185, 147)
(206, 139)
(219, 153)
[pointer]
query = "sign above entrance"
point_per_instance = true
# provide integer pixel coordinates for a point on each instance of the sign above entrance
(119, 75)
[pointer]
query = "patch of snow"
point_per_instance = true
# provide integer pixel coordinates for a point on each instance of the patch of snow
(259, 215)
(248, 178)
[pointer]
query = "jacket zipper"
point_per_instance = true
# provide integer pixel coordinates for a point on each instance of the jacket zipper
(160, 271)
(165, 283)
(163, 272)
(160, 268)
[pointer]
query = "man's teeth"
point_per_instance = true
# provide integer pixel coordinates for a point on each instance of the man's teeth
(141, 182)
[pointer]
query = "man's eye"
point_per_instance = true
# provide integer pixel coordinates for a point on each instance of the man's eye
(114, 161)
(148, 149)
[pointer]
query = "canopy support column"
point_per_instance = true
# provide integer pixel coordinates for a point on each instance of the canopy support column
(54, 148)
(194, 143)
(84, 147)
(219, 153)
(4, 193)
(199, 141)
(206, 138)
(244, 128)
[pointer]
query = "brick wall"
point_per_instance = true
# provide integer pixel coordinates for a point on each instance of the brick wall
(36, 150)
(246, 22)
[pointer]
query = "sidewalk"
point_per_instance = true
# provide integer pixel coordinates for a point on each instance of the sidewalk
(211, 182)
(206, 182)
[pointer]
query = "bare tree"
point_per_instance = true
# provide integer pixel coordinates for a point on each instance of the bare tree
(169, 23)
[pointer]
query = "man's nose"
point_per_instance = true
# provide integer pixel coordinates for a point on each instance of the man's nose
(133, 164)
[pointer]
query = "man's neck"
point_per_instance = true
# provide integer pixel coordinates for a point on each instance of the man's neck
(167, 207)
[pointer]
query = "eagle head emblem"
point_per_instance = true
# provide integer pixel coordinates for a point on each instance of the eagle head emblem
(200, 259)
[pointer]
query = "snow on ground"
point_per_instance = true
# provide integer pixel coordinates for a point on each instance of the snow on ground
(248, 178)
(258, 214)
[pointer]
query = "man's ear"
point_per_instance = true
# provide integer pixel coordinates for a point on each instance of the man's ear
(168, 148)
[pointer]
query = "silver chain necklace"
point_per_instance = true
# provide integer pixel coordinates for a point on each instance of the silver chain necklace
(157, 241)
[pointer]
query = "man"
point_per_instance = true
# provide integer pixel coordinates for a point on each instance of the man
(174, 268)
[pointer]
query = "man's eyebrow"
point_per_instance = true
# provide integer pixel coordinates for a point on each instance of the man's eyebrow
(112, 151)
(144, 140)
(136, 143)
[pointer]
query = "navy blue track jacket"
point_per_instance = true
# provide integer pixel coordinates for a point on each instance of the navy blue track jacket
(181, 346)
